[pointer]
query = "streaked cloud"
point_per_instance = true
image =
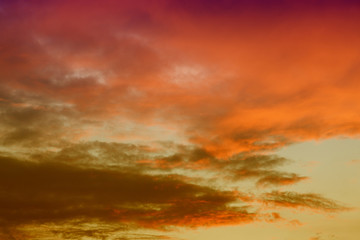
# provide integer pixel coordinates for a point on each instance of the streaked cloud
(308, 200)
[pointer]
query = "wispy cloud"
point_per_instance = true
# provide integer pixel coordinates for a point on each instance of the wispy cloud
(308, 200)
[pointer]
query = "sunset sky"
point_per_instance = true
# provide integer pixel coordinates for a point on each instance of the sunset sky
(179, 119)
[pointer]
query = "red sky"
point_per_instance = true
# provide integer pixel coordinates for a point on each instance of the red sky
(153, 114)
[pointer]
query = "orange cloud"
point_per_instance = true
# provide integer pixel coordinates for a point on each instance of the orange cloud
(255, 85)
(231, 80)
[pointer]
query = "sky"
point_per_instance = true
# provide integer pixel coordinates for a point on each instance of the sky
(179, 119)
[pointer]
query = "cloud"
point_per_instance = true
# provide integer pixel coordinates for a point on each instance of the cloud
(104, 184)
(353, 162)
(262, 168)
(97, 154)
(307, 200)
(278, 178)
(51, 51)
(51, 192)
(226, 82)
(240, 166)
(73, 190)
(78, 230)
(32, 121)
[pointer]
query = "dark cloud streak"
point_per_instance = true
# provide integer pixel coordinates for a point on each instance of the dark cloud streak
(53, 193)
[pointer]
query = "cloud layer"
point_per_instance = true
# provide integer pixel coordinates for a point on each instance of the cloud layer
(128, 115)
